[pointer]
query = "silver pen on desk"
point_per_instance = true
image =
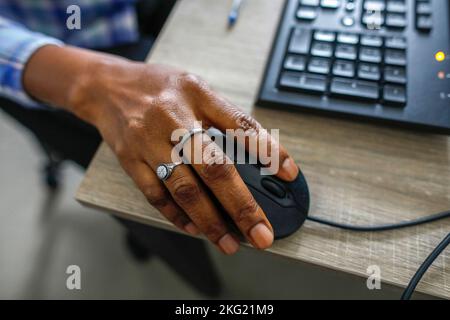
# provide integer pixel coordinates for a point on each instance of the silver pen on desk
(234, 12)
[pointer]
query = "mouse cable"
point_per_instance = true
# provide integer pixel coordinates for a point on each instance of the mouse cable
(424, 267)
(400, 225)
(384, 227)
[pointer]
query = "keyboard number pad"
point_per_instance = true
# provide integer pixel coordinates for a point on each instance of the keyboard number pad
(348, 65)
(391, 14)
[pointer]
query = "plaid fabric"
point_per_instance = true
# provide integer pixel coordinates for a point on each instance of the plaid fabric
(26, 25)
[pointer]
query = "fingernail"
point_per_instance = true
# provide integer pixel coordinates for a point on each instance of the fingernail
(290, 168)
(261, 236)
(191, 229)
(228, 244)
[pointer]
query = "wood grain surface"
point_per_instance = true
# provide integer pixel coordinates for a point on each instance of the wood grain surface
(358, 173)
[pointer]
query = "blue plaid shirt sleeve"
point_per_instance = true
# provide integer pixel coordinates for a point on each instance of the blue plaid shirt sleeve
(17, 44)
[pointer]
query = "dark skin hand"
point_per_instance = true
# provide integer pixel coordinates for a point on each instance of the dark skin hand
(136, 107)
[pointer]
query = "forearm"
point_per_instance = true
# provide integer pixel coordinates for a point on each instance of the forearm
(17, 45)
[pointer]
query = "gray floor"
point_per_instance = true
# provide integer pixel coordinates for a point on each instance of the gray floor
(40, 237)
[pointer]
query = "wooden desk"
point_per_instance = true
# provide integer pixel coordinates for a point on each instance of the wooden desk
(358, 173)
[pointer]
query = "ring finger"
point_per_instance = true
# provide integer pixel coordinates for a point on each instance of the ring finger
(190, 194)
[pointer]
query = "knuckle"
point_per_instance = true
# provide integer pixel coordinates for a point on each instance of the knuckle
(163, 103)
(156, 196)
(191, 81)
(175, 217)
(121, 151)
(218, 169)
(216, 165)
(134, 124)
(214, 231)
(179, 220)
(283, 155)
(185, 192)
(247, 212)
(245, 121)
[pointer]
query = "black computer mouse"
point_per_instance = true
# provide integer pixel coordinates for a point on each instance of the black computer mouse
(285, 204)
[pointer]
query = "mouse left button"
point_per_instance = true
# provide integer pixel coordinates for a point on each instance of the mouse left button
(273, 187)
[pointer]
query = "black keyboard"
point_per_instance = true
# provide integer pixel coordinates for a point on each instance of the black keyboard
(373, 59)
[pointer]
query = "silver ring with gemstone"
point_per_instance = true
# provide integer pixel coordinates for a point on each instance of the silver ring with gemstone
(164, 170)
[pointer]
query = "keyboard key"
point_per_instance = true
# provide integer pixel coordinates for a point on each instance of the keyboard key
(368, 71)
(307, 13)
(394, 95)
(347, 21)
(374, 5)
(347, 38)
(424, 23)
(311, 3)
(319, 65)
(354, 89)
(395, 75)
(373, 20)
(396, 6)
(370, 55)
(350, 6)
(343, 68)
(295, 62)
(324, 36)
(395, 57)
(300, 41)
(330, 4)
(303, 82)
(423, 7)
(322, 49)
(371, 41)
(395, 20)
(345, 51)
(395, 43)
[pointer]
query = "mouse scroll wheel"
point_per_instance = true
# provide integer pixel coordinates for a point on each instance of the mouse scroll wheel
(273, 187)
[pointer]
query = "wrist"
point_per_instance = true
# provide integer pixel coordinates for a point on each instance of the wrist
(85, 95)
(68, 78)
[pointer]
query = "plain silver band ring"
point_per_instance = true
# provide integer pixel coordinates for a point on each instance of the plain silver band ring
(188, 136)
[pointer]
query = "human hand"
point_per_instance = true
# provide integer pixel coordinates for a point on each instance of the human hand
(137, 106)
